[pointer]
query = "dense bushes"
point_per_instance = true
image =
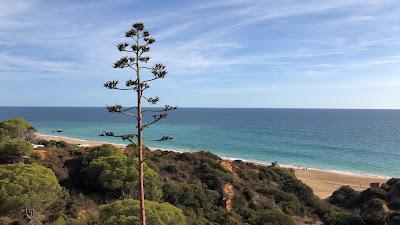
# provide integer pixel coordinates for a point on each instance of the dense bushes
(127, 212)
(15, 147)
(302, 191)
(199, 166)
(370, 203)
(119, 175)
(338, 217)
(270, 217)
(373, 213)
(105, 150)
(17, 128)
(52, 143)
(343, 196)
(14, 134)
(3, 135)
(186, 195)
(29, 189)
(369, 194)
(395, 204)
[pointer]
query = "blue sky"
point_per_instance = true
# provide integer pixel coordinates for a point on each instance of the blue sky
(234, 53)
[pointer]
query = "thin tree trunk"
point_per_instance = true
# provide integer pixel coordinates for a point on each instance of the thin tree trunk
(141, 172)
(140, 142)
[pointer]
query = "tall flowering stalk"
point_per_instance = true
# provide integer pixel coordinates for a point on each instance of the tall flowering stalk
(137, 59)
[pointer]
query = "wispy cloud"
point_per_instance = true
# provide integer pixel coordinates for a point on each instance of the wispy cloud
(270, 43)
(315, 86)
(22, 64)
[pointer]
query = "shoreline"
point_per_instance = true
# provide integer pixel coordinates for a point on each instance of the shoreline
(301, 167)
(323, 181)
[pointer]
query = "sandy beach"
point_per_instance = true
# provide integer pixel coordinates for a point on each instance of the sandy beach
(85, 143)
(323, 182)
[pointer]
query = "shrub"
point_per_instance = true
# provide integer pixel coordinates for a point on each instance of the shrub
(342, 196)
(120, 175)
(16, 147)
(288, 202)
(3, 135)
(212, 174)
(53, 159)
(193, 196)
(59, 221)
(223, 217)
(276, 174)
(302, 191)
(393, 181)
(27, 186)
(82, 210)
(369, 194)
(105, 150)
(342, 218)
(270, 217)
(127, 211)
(373, 213)
(52, 143)
(323, 208)
(394, 191)
(18, 128)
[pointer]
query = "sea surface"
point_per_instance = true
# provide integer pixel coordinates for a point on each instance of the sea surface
(356, 141)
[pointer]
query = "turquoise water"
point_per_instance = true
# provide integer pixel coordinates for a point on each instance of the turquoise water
(359, 141)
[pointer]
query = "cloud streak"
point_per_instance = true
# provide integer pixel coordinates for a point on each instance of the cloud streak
(269, 43)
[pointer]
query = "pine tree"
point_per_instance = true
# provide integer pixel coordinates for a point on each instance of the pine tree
(136, 60)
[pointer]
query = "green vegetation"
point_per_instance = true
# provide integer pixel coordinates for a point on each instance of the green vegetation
(127, 211)
(15, 135)
(27, 189)
(65, 184)
(52, 143)
(17, 128)
(119, 174)
(375, 205)
(271, 217)
(105, 150)
(15, 147)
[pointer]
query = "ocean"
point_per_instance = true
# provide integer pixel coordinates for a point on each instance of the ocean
(346, 140)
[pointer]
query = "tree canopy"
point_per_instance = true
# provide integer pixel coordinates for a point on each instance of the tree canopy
(105, 151)
(18, 128)
(271, 217)
(124, 212)
(28, 187)
(119, 174)
(16, 147)
(3, 135)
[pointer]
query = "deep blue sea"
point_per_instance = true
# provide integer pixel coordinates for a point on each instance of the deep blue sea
(358, 141)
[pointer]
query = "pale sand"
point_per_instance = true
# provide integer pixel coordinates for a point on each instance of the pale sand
(84, 143)
(323, 182)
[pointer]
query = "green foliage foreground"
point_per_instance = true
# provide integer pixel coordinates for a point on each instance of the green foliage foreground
(15, 147)
(376, 205)
(27, 189)
(105, 150)
(17, 128)
(119, 175)
(126, 212)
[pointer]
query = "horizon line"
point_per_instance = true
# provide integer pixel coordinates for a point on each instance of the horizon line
(207, 107)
